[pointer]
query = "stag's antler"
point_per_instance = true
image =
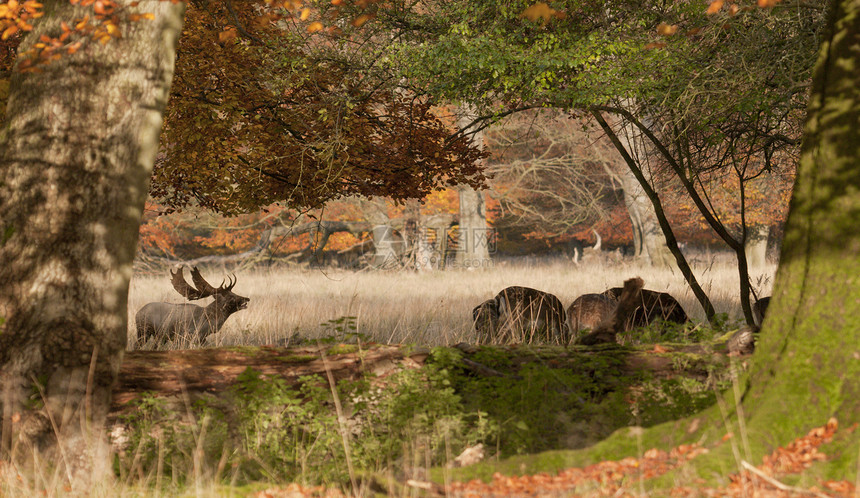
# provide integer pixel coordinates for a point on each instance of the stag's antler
(203, 285)
(203, 288)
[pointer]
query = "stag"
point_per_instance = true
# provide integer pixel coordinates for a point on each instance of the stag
(168, 321)
(521, 314)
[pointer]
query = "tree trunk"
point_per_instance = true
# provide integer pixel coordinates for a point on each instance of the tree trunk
(650, 242)
(385, 241)
(671, 242)
(473, 245)
(756, 246)
(806, 368)
(77, 151)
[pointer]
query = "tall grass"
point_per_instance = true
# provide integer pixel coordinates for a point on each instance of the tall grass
(433, 308)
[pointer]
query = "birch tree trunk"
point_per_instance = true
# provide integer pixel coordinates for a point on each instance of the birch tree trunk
(473, 248)
(76, 155)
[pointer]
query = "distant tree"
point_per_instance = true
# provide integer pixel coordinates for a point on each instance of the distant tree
(546, 172)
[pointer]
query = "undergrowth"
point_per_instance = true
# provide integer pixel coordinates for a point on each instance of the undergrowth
(543, 398)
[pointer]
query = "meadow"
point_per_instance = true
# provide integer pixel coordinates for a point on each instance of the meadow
(430, 308)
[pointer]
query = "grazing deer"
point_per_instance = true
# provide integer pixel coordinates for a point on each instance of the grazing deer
(485, 316)
(521, 315)
(588, 311)
(167, 321)
(652, 305)
(616, 322)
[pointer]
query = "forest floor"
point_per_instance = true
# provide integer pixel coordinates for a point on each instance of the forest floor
(626, 478)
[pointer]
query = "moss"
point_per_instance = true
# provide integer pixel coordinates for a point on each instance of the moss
(245, 350)
(342, 349)
(297, 358)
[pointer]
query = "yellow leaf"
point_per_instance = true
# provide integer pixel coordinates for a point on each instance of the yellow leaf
(148, 15)
(305, 14)
(314, 27)
(715, 6)
(664, 29)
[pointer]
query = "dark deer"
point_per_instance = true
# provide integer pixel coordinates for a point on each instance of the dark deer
(616, 322)
(588, 311)
(521, 315)
(652, 305)
(168, 321)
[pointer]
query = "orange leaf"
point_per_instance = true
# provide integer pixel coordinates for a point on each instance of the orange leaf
(305, 14)
(336, 2)
(360, 20)
(45, 38)
(148, 15)
(733, 9)
(537, 11)
(715, 6)
(314, 27)
(11, 30)
(664, 29)
(228, 34)
(767, 3)
(654, 45)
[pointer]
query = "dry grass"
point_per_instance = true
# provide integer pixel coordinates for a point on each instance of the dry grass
(428, 308)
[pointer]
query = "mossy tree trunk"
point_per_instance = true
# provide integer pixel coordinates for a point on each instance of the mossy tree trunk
(76, 153)
(807, 364)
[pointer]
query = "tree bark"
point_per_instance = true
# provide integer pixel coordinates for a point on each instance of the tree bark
(806, 368)
(76, 155)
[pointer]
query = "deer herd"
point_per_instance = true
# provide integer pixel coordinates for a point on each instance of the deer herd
(516, 315)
